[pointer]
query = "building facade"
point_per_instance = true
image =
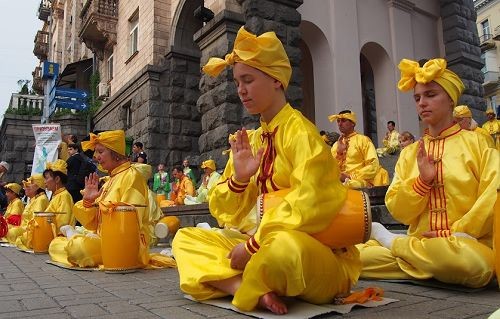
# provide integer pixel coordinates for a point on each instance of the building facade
(344, 55)
(488, 27)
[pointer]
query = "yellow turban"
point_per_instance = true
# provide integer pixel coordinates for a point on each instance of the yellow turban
(348, 116)
(58, 166)
(35, 179)
(114, 140)
(144, 169)
(208, 164)
(264, 52)
(433, 70)
(462, 111)
(489, 111)
(14, 187)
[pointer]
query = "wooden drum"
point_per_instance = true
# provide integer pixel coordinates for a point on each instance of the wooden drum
(120, 239)
(351, 225)
(168, 225)
(42, 229)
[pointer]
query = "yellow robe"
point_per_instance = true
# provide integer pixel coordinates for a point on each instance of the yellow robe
(184, 187)
(202, 192)
(493, 128)
(15, 207)
(361, 162)
(461, 200)
(125, 185)
(36, 204)
(289, 262)
(487, 136)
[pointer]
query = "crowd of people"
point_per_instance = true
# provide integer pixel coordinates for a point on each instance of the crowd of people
(444, 188)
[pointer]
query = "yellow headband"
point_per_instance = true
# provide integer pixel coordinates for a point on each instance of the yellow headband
(114, 140)
(462, 111)
(348, 116)
(208, 164)
(433, 70)
(489, 111)
(35, 179)
(14, 187)
(264, 52)
(144, 169)
(58, 166)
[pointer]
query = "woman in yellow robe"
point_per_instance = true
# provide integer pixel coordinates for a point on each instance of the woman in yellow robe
(15, 208)
(445, 188)
(257, 262)
(34, 187)
(125, 185)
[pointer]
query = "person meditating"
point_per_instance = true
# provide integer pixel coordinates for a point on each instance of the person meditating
(444, 189)
(126, 185)
(34, 188)
(259, 261)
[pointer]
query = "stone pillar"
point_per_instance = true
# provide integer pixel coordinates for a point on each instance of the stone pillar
(463, 52)
(221, 109)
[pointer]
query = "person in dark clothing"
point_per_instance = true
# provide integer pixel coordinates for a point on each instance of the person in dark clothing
(76, 172)
(138, 154)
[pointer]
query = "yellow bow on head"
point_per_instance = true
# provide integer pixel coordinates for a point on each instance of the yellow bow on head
(113, 140)
(265, 53)
(462, 111)
(14, 187)
(348, 116)
(35, 179)
(433, 70)
(208, 164)
(58, 166)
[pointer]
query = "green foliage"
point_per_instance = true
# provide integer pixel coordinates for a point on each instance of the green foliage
(94, 102)
(24, 110)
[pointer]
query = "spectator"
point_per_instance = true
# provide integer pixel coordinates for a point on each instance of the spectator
(138, 154)
(405, 139)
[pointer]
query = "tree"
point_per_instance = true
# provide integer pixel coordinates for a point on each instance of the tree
(25, 87)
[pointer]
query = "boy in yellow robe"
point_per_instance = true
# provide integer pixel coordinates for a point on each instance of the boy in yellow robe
(444, 189)
(492, 126)
(259, 261)
(15, 208)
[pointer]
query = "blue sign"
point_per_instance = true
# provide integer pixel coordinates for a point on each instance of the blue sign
(71, 93)
(71, 104)
(50, 70)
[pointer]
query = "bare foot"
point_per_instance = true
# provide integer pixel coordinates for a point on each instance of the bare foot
(272, 302)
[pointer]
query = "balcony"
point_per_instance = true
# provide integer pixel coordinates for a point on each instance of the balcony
(496, 33)
(37, 81)
(486, 42)
(99, 19)
(41, 45)
(44, 10)
(490, 80)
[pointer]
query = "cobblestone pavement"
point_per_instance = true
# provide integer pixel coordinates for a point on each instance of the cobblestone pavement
(30, 288)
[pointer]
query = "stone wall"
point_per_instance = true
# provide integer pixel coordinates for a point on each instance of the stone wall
(463, 53)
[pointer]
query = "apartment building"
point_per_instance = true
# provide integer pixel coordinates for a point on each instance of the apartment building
(344, 55)
(488, 27)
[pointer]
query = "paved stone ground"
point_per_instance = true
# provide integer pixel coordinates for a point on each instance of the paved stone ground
(30, 288)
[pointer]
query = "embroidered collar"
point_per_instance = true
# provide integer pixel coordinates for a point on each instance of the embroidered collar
(453, 129)
(278, 119)
(120, 168)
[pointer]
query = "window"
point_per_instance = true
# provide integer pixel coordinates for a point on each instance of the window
(110, 67)
(485, 25)
(134, 32)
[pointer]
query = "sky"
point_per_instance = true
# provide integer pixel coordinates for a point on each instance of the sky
(19, 25)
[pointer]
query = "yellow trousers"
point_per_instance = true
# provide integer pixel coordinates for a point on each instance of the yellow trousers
(454, 260)
(13, 233)
(290, 263)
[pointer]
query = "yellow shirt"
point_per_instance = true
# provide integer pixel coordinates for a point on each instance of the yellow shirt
(125, 185)
(483, 132)
(184, 187)
(15, 207)
(38, 203)
(61, 201)
(360, 162)
(393, 141)
(464, 191)
(493, 128)
(301, 162)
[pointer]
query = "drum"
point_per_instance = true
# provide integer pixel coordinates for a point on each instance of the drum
(43, 232)
(4, 228)
(167, 225)
(350, 226)
(159, 198)
(120, 239)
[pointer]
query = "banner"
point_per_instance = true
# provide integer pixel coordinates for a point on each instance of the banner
(47, 140)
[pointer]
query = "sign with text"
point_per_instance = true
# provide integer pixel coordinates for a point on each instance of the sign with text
(47, 140)
(67, 98)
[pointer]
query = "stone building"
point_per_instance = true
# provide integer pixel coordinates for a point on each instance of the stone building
(344, 55)
(488, 26)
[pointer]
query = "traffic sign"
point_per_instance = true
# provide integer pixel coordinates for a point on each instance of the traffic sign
(70, 104)
(72, 93)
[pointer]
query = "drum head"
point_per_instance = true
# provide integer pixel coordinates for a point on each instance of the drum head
(161, 230)
(4, 228)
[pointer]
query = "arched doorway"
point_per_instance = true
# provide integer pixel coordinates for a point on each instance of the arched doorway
(368, 98)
